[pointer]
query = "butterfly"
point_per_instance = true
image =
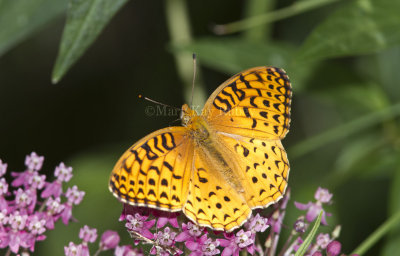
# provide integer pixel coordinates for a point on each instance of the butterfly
(221, 164)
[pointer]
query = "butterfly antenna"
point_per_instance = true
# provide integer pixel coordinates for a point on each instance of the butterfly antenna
(194, 78)
(156, 102)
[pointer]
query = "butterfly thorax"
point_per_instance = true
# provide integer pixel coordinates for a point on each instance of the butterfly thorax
(209, 148)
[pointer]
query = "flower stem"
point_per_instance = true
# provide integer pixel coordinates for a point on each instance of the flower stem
(296, 8)
(97, 252)
(378, 234)
(286, 245)
(180, 34)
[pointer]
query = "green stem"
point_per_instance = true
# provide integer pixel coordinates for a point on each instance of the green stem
(97, 252)
(378, 234)
(344, 130)
(180, 34)
(253, 9)
(296, 8)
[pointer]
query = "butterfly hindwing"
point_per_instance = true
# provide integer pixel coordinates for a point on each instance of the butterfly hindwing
(211, 201)
(263, 168)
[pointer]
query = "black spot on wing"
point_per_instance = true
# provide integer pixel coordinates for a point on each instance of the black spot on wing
(168, 141)
(252, 101)
(246, 112)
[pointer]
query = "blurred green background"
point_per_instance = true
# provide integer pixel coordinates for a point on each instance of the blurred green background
(342, 57)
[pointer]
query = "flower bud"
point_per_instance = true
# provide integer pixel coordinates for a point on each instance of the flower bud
(333, 248)
(109, 240)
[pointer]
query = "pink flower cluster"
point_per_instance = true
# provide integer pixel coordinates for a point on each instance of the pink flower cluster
(323, 242)
(109, 241)
(25, 216)
(188, 238)
(173, 234)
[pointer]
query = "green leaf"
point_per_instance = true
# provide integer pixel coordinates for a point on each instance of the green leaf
(373, 238)
(85, 20)
(353, 156)
(232, 55)
(392, 243)
(343, 130)
(304, 246)
(359, 27)
(20, 18)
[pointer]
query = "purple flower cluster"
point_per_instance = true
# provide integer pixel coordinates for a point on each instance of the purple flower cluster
(188, 238)
(25, 216)
(109, 241)
(172, 234)
(325, 244)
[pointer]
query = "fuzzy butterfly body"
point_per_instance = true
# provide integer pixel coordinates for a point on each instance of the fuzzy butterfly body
(220, 164)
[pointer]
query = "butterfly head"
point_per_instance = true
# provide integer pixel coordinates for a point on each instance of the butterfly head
(187, 115)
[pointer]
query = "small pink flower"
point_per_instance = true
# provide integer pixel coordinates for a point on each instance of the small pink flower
(74, 196)
(87, 234)
(109, 240)
(36, 225)
(322, 195)
(166, 237)
(73, 249)
(323, 240)
(34, 162)
(190, 232)
(243, 239)
(63, 173)
(17, 221)
(203, 246)
(22, 198)
(257, 224)
(235, 243)
(139, 224)
(54, 206)
(37, 181)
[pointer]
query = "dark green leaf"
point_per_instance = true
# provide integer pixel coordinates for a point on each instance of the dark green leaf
(20, 18)
(85, 20)
(392, 244)
(359, 27)
(232, 55)
(346, 129)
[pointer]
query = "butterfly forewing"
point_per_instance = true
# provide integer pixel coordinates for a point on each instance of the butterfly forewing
(254, 103)
(155, 171)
